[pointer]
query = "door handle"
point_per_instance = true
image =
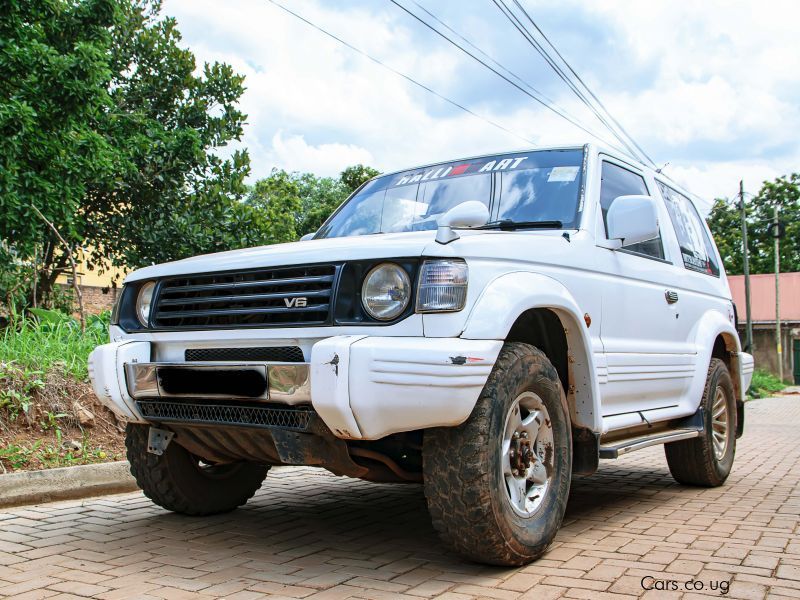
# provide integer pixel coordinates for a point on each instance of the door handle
(672, 297)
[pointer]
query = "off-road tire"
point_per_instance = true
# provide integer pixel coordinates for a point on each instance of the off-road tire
(694, 461)
(464, 484)
(176, 480)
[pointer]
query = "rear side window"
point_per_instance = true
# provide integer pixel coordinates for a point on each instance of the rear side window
(617, 181)
(697, 249)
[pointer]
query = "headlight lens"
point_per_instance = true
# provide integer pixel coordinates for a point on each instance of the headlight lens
(442, 286)
(143, 302)
(386, 291)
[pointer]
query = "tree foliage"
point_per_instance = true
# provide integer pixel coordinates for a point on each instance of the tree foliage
(726, 225)
(108, 129)
(357, 175)
(295, 204)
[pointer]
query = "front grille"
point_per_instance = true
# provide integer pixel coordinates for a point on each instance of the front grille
(226, 414)
(278, 297)
(291, 354)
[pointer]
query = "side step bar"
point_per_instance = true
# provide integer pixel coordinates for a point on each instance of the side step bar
(624, 446)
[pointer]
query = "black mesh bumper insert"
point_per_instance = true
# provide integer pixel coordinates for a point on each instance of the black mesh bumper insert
(266, 353)
(226, 414)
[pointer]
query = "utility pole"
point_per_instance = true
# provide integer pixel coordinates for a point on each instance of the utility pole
(777, 232)
(746, 256)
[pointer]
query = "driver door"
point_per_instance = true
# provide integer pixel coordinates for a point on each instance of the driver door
(647, 364)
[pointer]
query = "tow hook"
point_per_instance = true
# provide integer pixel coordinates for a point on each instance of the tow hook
(158, 440)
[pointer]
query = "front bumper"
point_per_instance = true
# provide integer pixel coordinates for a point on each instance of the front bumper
(362, 387)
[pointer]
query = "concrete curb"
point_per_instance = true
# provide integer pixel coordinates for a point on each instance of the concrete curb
(65, 483)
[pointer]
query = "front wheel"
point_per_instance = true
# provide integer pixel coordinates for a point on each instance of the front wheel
(497, 485)
(179, 481)
(707, 460)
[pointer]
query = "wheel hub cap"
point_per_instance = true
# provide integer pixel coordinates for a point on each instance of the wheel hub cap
(719, 423)
(527, 453)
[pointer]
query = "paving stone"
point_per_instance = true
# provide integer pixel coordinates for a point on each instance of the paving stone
(309, 534)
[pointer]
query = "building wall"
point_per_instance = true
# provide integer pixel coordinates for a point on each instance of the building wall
(764, 348)
(96, 299)
(89, 277)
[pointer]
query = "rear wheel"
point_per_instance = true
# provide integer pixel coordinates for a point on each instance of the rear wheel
(497, 485)
(181, 482)
(707, 460)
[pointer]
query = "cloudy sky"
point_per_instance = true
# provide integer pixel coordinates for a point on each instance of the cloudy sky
(711, 87)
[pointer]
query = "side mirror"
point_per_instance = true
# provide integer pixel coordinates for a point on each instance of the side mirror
(308, 236)
(465, 215)
(632, 219)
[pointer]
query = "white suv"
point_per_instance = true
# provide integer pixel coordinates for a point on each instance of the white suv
(486, 327)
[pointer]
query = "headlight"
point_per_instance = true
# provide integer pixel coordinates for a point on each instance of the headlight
(442, 286)
(143, 302)
(386, 291)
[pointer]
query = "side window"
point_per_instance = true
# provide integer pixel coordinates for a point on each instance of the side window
(616, 181)
(697, 249)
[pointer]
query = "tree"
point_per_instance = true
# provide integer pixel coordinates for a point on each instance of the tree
(295, 204)
(725, 223)
(785, 193)
(353, 177)
(320, 196)
(276, 201)
(110, 133)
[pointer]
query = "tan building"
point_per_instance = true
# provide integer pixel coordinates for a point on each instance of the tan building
(99, 289)
(762, 300)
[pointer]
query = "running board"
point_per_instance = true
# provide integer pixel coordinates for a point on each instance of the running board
(624, 446)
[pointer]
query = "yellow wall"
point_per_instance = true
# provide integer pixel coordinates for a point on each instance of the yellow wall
(87, 276)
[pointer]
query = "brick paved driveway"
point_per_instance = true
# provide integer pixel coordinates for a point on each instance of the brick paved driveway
(308, 534)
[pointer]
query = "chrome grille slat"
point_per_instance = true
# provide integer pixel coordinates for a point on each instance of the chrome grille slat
(244, 311)
(271, 297)
(244, 298)
(247, 284)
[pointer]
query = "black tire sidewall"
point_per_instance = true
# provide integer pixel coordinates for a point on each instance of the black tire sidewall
(530, 374)
(720, 377)
(174, 480)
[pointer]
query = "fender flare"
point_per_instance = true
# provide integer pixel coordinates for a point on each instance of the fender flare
(705, 332)
(507, 297)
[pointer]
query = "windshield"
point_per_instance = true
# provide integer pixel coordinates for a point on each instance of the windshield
(521, 187)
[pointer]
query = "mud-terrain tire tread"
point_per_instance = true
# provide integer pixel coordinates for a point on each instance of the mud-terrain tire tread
(168, 486)
(458, 487)
(692, 462)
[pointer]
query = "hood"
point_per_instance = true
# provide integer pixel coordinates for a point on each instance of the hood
(546, 246)
(391, 245)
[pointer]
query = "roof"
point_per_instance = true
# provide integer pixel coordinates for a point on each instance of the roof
(762, 296)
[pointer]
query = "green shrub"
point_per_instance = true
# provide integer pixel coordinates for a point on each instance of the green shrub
(764, 384)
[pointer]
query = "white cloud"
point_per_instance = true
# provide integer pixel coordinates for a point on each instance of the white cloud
(713, 86)
(294, 154)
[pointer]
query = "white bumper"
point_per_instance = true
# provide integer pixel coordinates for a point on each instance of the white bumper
(362, 387)
(747, 366)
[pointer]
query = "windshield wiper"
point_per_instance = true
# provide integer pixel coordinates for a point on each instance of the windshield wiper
(508, 225)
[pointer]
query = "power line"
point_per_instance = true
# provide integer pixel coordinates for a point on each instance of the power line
(482, 52)
(536, 97)
(580, 80)
(403, 75)
(515, 21)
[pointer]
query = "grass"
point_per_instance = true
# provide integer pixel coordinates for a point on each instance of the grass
(37, 343)
(44, 394)
(48, 455)
(764, 384)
